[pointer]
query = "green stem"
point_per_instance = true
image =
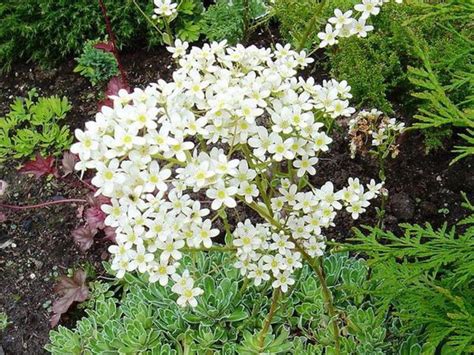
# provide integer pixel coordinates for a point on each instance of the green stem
(147, 18)
(245, 18)
(269, 317)
(317, 266)
(383, 197)
(311, 25)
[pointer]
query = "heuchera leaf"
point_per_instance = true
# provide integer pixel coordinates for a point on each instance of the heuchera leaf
(95, 217)
(71, 290)
(84, 237)
(105, 46)
(110, 234)
(113, 87)
(68, 162)
(40, 166)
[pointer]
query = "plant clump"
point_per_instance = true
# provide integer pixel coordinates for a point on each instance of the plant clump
(235, 126)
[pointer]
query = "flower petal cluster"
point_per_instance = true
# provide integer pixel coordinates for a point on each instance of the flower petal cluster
(174, 156)
(274, 250)
(372, 129)
(165, 8)
(343, 24)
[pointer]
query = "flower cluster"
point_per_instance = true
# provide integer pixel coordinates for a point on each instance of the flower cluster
(274, 250)
(373, 128)
(346, 26)
(173, 156)
(164, 8)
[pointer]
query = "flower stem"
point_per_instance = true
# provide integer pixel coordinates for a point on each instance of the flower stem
(150, 21)
(114, 43)
(269, 317)
(311, 25)
(317, 266)
(43, 204)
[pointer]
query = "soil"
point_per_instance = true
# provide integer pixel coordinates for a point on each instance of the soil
(36, 245)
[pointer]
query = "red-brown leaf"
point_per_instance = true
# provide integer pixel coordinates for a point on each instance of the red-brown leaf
(95, 217)
(110, 234)
(68, 162)
(71, 290)
(105, 46)
(84, 237)
(113, 87)
(40, 166)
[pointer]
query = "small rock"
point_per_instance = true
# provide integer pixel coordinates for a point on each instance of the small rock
(402, 206)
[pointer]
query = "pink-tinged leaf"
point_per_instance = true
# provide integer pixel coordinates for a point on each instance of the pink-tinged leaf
(97, 201)
(110, 234)
(39, 167)
(105, 46)
(71, 289)
(84, 237)
(3, 217)
(95, 217)
(68, 162)
(113, 87)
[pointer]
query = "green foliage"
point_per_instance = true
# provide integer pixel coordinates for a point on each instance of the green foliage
(32, 126)
(96, 65)
(46, 31)
(226, 19)
(3, 321)
(375, 66)
(445, 89)
(426, 276)
(294, 17)
(185, 24)
(134, 316)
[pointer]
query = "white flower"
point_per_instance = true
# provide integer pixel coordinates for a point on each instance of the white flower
(141, 259)
(179, 49)
(249, 191)
(165, 8)
(170, 249)
(305, 165)
(328, 38)
(203, 234)
(161, 272)
(368, 7)
(85, 146)
(220, 194)
(258, 274)
(283, 280)
(188, 296)
(340, 19)
(361, 29)
(281, 149)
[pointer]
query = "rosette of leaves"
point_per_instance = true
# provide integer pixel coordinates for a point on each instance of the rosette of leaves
(33, 126)
(96, 65)
(133, 316)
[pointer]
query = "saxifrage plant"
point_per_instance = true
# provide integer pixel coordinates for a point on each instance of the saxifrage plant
(132, 315)
(235, 130)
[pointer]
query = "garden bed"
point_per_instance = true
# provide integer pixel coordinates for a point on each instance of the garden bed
(422, 188)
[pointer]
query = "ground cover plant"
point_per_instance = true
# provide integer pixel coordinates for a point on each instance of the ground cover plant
(297, 180)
